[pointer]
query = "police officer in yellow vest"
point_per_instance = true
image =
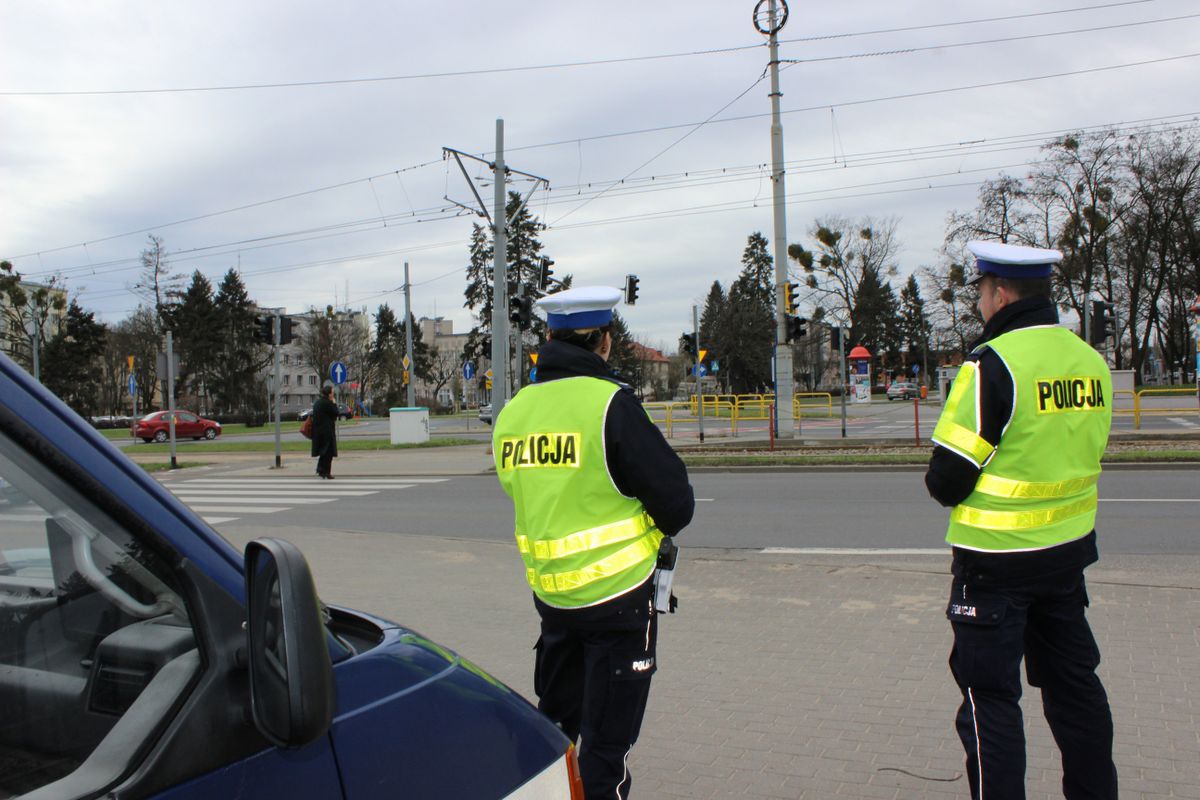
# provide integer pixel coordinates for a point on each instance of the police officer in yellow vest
(595, 487)
(1017, 455)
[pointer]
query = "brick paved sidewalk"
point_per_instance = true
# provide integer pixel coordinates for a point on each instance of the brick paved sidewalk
(806, 677)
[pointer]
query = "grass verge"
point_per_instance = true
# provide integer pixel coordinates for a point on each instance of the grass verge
(166, 465)
(344, 446)
(907, 459)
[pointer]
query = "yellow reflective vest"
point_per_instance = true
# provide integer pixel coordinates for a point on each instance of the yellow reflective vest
(1037, 488)
(582, 541)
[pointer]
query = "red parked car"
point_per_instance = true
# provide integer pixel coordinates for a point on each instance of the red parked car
(155, 427)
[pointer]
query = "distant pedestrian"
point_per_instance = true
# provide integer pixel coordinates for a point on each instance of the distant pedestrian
(324, 432)
(1017, 455)
(598, 494)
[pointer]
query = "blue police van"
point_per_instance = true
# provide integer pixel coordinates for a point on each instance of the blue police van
(143, 656)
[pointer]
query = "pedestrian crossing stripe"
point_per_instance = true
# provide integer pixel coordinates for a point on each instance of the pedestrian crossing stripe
(215, 497)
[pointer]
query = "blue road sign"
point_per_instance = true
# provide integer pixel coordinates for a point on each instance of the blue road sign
(132, 385)
(916, 368)
(468, 371)
(700, 369)
(337, 373)
(533, 374)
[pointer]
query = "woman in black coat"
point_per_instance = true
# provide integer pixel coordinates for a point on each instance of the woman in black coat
(324, 436)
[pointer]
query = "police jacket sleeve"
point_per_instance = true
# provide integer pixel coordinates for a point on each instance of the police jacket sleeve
(644, 466)
(952, 472)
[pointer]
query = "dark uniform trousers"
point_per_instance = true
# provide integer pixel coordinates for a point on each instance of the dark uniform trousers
(1041, 619)
(593, 679)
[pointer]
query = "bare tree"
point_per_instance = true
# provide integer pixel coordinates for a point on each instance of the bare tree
(157, 286)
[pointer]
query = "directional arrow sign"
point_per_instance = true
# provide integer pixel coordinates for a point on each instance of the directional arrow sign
(132, 385)
(338, 373)
(468, 371)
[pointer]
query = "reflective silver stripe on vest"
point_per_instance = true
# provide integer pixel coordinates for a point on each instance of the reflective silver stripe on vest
(997, 486)
(590, 539)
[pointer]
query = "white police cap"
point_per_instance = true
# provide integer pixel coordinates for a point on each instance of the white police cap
(1012, 260)
(580, 308)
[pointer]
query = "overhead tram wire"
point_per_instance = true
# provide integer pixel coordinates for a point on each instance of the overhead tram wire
(980, 42)
(865, 101)
(669, 147)
(579, 140)
(561, 65)
(668, 182)
(233, 210)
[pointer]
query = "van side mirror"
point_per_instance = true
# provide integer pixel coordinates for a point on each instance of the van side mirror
(291, 676)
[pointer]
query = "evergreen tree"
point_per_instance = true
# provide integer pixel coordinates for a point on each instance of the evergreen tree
(387, 355)
(875, 318)
(713, 321)
(749, 332)
(524, 255)
(199, 340)
(71, 360)
(622, 359)
(241, 357)
(914, 323)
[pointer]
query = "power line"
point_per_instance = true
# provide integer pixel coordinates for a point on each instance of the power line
(627, 186)
(212, 214)
(910, 28)
(864, 101)
(952, 45)
(537, 67)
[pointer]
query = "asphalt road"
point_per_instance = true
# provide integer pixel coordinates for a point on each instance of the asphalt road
(1149, 512)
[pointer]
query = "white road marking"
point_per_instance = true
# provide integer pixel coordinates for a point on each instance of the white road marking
(269, 495)
(313, 480)
(289, 493)
(856, 551)
(226, 497)
(239, 509)
(704, 499)
(1150, 499)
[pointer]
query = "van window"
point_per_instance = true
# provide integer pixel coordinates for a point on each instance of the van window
(90, 616)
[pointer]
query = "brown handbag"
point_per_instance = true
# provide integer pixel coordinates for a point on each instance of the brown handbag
(306, 428)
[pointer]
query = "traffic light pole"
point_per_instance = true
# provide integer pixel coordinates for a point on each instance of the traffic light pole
(520, 366)
(171, 393)
(696, 372)
(278, 407)
(410, 394)
(783, 350)
(842, 372)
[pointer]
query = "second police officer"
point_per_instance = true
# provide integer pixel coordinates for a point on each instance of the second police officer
(595, 489)
(1017, 455)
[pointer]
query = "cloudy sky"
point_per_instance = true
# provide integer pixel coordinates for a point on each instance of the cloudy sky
(302, 142)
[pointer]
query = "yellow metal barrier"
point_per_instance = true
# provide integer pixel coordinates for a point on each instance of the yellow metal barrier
(798, 402)
(1180, 392)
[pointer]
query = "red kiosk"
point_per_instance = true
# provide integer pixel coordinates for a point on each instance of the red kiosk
(860, 374)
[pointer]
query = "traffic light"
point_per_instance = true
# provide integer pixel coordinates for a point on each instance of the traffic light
(631, 289)
(1103, 323)
(687, 343)
(795, 328)
(286, 333)
(789, 297)
(835, 339)
(545, 273)
(264, 328)
(521, 311)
